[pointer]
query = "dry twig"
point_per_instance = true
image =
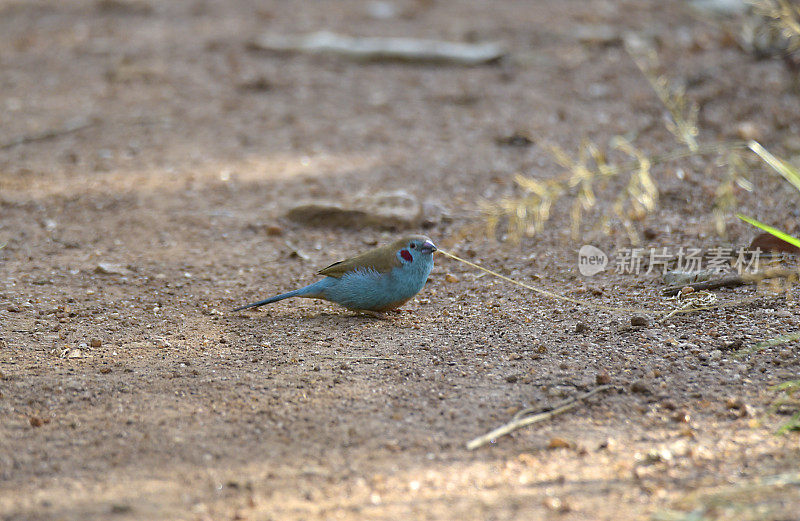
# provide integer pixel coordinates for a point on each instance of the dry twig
(521, 419)
(68, 128)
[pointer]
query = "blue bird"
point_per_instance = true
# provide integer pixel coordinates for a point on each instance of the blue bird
(378, 280)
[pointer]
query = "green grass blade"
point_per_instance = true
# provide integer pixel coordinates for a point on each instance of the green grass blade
(792, 425)
(784, 168)
(769, 229)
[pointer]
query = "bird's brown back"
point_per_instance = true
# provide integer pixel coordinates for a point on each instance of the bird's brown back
(381, 259)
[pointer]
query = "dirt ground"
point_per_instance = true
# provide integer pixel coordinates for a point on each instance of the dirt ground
(161, 143)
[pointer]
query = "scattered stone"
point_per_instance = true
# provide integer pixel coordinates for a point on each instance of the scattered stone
(640, 387)
(658, 455)
(602, 378)
(75, 353)
(738, 407)
(433, 212)
(597, 35)
(639, 321)
(681, 416)
(387, 211)
(274, 230)
(556, 505)
(748, 130)
(580, 327)
(607, 444)
(716, 354)
(677, 277)
(450, 278)
(734, 403)
(13, 308)
(734, 345)
(35, 421)
(382, 10)
(107, 268)
(517, 139)
(95, 342)
(256, 84)
(559, 443)
(120, 508)
(686, 290)
(512, 378)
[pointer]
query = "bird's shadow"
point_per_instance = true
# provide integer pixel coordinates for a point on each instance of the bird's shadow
(343, 317)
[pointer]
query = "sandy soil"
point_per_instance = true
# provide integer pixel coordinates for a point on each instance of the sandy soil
(136, 395)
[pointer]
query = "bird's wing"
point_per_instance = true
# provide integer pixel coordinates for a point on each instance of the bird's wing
(381, 259)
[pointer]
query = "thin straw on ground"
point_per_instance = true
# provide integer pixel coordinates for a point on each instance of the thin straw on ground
(521, 419)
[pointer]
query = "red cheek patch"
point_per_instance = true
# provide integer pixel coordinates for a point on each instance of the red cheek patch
(406, 255)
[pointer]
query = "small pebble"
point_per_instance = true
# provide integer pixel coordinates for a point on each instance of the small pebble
(512, 378)
(734, 345)
(639, 321)
(108, 268)
(555, 504)
(450, 278)
(686, 290)
(748, 130)
(580, 327)
(640, 387)
(558, 443)
(681, 416)
(602, 378)
(274, 230)
(734, 403)
(95, 342)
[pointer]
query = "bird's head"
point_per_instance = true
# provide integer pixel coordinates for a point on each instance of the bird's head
(414, 248)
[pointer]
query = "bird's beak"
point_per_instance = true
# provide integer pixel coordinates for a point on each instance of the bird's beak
(427, 247)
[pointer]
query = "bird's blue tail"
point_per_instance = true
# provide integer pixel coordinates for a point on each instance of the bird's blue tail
(310, 291)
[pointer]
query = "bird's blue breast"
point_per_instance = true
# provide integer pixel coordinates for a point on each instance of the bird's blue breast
(367, 289)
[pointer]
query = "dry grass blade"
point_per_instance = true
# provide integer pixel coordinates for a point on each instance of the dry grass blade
(784, 168)
(521, 419)
(784, 16)
(683, 113)
(686, 303)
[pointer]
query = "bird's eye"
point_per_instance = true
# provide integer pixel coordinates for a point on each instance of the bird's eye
(412, 245)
